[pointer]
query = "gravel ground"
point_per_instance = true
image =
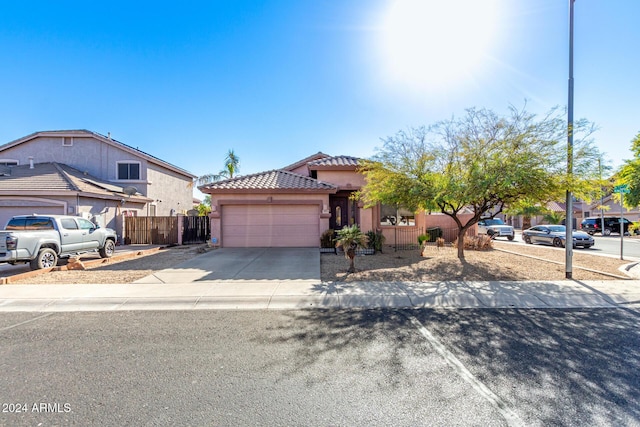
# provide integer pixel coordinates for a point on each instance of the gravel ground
(437, 265)
(120, 272)
(443, 264)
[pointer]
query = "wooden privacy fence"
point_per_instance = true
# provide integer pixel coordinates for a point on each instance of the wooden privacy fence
(150, 230)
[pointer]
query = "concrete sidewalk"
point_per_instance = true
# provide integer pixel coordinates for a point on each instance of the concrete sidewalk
(304, 294)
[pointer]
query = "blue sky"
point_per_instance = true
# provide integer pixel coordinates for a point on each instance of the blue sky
(279, 80)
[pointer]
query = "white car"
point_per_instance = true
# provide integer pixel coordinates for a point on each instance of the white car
(495, 227)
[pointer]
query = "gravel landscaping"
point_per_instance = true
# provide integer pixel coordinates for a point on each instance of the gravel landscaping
(438, 264)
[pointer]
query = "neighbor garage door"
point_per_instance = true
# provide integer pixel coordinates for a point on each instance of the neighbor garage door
(6, 212)
(270, 226)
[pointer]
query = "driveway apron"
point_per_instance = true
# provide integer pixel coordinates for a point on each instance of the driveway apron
(244, 264)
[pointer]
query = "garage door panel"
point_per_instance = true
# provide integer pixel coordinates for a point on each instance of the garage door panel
(7, 212)
(270, 225)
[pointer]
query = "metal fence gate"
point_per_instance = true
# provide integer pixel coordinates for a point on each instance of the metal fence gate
(150, 230)
(195, 229)
(406, 238)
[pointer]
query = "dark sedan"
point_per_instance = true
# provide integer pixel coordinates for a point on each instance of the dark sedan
(556, 235)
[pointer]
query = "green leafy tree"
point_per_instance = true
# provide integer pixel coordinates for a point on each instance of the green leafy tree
(350, 238)
(204, 208)
(231, 168)
(480, 163)
(629, 174)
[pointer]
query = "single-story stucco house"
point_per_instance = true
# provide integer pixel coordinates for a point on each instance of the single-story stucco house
(294, 205)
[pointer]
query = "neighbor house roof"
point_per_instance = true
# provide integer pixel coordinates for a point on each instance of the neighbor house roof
(334, 162)
(305, 161)
(561, 207)
(58, 178)
(79, 133)
(272, 181)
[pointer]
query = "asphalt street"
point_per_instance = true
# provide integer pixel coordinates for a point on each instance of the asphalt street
(321, 368)
(604, 245)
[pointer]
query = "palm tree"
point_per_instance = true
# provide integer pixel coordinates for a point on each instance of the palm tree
(554, 217)
(350, 238)
(231, 168)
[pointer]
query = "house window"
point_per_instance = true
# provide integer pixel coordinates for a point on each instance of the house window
(6, 162)
(396, 216)
(67, 141)
(338, 216)
(152, 210)
(128, 170)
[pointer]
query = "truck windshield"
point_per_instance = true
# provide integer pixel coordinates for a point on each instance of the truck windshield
(495, 221)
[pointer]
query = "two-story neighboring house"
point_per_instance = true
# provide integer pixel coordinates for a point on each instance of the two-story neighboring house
(79, 172)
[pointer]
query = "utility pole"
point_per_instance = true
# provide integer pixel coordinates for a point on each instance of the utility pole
(601, 197)
(569, 216)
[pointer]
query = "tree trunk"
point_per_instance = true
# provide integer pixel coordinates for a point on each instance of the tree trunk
(352, 265)
(461, 233)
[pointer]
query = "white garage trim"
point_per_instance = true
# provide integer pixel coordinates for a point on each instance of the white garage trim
(270, 225)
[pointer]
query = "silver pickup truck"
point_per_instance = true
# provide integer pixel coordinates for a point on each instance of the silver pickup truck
(42, 239)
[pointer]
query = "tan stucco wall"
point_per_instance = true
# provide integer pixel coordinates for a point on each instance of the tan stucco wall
(343, 179)
(86, 154)
(169, 190)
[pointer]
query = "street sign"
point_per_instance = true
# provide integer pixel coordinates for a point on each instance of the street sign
(624, 188)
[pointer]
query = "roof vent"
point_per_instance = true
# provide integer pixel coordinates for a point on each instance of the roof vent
(30, 162)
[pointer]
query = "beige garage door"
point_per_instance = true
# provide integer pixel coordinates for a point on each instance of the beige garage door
(270, 226)
(6, 212)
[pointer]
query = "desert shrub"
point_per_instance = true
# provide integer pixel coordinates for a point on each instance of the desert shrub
(481, 242)
(326, 239)
(375, 240)
(634, 228)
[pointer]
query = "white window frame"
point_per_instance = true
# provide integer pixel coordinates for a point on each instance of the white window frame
(69, 139)
(128, 162)
(17, 162)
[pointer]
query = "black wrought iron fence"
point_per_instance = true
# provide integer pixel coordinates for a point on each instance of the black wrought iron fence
(196, 229)
(406, 239)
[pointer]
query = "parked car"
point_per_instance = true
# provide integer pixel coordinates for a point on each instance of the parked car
(41, 240)
(495, 227)
(593, 224)
(556, 235)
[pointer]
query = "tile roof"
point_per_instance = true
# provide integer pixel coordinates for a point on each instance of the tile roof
(335, 161)
(44, 176)
(305, 161)
(55, 177)
(270, 180)
(561, 207)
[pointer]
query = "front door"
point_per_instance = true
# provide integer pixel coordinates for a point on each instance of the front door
(339, 212)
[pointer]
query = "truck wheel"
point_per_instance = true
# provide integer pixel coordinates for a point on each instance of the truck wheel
(510, 237)
(607, 232)
(108, 249)
(46, 258)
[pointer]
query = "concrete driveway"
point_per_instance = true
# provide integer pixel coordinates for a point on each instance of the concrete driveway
(244, 264)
